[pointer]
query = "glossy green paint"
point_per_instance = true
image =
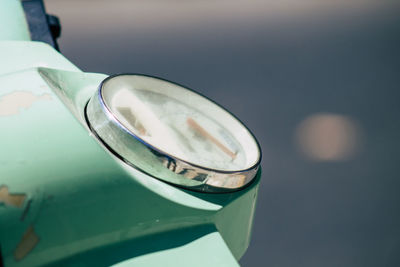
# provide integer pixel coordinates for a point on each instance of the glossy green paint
(12, 21)
(206, 244)
(85, 206)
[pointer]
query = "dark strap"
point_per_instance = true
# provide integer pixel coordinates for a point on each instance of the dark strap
(43, 27)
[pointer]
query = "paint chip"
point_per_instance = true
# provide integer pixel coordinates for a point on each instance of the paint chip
(11, 104)
(27, 243)
(16, 200)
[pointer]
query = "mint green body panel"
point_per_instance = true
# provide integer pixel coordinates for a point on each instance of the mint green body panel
(207, 244)
(81, 205)
(12, 21)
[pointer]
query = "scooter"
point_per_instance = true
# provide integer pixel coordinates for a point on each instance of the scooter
(124, 170)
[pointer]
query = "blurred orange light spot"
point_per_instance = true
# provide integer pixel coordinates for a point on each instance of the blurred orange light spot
(327, 137)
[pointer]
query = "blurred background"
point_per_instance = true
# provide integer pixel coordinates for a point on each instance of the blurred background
(317, 82)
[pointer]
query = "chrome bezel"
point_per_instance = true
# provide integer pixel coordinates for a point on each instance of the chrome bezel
(155, 162)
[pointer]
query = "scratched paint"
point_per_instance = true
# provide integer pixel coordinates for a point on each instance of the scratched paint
(16, 200)
(15, 102)
(26, 210)
(28, 242)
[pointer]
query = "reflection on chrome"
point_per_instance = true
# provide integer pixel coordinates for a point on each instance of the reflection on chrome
(173, 134)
